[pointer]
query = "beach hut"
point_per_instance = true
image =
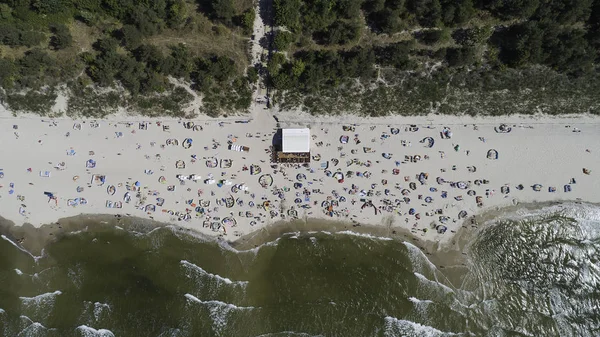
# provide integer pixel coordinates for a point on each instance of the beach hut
(172, 141)
(505, 189)
(149, 208)
(198, 128)
(386, 155)
(492, 154)
(91, 163)
(587, 171)
(344, 139)
(162, 180)
(180, 164)
(45, 174)
(567, 188)
(188, 125)
(335, 161)
(462, 214)
(537, 187)
(394, 131)
(348, 128)
(187, 143)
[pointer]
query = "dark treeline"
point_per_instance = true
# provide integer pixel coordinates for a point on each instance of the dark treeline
(335, 42)
(40, 47)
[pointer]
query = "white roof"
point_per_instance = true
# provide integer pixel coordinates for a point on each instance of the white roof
(296, 140)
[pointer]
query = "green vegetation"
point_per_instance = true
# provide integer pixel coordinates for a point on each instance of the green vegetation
(377, 57)
(106, 54)
(373, 57)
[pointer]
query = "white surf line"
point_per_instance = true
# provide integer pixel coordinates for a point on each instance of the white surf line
(41, 296)
(35, 258)
(211, 275)
(216, 302)
(89, 331)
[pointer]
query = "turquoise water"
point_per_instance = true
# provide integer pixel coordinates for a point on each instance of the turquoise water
(535, 275)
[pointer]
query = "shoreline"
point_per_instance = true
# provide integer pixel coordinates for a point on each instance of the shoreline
(442, 254)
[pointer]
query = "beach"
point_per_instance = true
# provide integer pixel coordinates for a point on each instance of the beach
(427, 175)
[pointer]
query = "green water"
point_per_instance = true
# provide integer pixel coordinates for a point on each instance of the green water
(112, 282)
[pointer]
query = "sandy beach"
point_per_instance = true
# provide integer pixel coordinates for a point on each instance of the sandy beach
(428, 175)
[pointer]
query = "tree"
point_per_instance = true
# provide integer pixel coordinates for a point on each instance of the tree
(461, 56)
(252, 75)
(433, 36)
(282, 40)
(457, 12)
(62, 37)
(30, 38)
(427, 12)
(51, 6)
(7, 73)
(176, 13)
(152, 56)
(341, 32)
(180, 63)
(286, 13)
(396, 55)
(131, 37)
(348, 9)
(247, 20)
(511, 9)
(223, 10)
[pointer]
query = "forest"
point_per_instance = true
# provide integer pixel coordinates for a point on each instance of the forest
(125, 53)
(372, 57)
(369, 50)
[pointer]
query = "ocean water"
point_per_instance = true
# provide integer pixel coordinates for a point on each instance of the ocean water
(530, 273)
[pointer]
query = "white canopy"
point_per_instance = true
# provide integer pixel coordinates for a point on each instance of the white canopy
(296, 140)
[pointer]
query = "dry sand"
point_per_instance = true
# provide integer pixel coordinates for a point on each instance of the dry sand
(540, 150)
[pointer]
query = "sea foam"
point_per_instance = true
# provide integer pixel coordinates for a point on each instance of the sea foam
(395, 327)
(220, 312)
(190, 266)
(86, 331)
(215, 303)
(363, 235)
(40, 298)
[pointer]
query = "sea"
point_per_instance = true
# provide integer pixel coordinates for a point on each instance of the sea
(527, 272)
